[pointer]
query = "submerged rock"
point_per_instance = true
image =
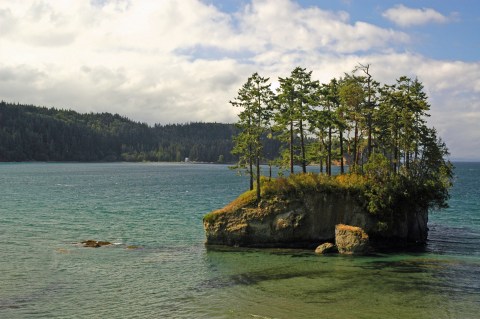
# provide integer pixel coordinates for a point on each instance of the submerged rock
(133, 247)
(95, 244)
(326, 248)
(351, 240)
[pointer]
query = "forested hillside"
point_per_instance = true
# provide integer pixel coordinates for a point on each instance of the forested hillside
(30, 133)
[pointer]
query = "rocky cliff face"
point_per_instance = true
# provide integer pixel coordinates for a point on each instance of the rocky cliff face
(307, 220)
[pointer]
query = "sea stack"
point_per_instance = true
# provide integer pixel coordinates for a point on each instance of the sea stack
(309, 217)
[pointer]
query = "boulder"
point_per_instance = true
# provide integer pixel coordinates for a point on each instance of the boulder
(326, 248)
(350, 239)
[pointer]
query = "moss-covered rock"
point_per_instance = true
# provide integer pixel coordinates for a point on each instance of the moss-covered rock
(351, 240)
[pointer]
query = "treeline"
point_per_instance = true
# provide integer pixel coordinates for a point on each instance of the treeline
(30, 133)
(378, 130)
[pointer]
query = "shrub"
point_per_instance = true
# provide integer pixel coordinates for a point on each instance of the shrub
(352, 181)
(310, 182)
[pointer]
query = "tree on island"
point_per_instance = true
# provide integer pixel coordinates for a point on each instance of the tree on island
(297, 95)
(256, 98)
(383, 127)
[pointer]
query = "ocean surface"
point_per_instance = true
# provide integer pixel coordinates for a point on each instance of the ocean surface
(159, 267)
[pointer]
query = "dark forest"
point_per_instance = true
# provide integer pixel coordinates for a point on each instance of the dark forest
(31, 133)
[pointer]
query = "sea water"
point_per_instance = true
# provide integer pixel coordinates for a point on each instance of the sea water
(158, 266)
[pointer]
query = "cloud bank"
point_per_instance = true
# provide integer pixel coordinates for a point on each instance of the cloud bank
(405, 17)
(179, 61)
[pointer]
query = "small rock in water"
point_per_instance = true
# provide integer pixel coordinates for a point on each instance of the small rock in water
(326, 248)
(132, 247)
(95, 244)
(62, 251)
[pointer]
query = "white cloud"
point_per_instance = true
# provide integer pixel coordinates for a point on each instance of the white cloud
(405, 16)
(453, 88)
(96, 55)
(172, 61)
(284, 25)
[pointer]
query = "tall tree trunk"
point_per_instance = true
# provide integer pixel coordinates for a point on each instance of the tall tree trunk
(257, 153)
(355, 157)
(395, 156)
(258, 178)
(369, 151)
(302, 148)
(407, 159)
(250, 166)
(342, 168)
(369, 108)
(291, 147)
(329, 152)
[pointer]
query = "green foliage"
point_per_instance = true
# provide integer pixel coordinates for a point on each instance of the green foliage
(255, 98)
(377, 168)
(394, 159)
(296, 97)
(386, 191)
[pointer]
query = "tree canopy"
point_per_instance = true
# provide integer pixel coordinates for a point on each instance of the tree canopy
(378, 130)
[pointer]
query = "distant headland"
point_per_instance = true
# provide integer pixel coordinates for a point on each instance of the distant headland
(31, 133)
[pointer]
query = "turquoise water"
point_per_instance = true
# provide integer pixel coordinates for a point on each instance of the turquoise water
(160, 268)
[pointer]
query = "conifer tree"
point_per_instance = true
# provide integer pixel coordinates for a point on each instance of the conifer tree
(352, 98)
(284, 118)
(297, 95)
(256, 98)
(330, 101)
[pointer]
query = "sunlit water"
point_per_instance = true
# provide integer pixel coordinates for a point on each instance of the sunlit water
(160, 268)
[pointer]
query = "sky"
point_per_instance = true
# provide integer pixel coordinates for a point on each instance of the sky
(172, 61)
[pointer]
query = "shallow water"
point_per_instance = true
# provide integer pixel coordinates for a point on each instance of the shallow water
(159, 267)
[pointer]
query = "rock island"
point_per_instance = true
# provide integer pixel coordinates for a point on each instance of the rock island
(303, 210)
(397, 166)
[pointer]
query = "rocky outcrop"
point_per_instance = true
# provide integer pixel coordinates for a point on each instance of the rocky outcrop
(303, 221)
(307, 220)
(351, 240)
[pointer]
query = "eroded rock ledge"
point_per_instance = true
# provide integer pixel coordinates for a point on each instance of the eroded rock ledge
(309, 219)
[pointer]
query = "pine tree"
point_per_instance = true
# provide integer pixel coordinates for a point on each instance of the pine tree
(297, 95)
(352, 98)
(256, 98)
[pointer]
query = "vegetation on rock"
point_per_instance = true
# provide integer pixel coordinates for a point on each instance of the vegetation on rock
(383, 127)
(398, 168)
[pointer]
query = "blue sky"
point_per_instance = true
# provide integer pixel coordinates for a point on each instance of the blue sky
(170, 61)
(455, 40)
